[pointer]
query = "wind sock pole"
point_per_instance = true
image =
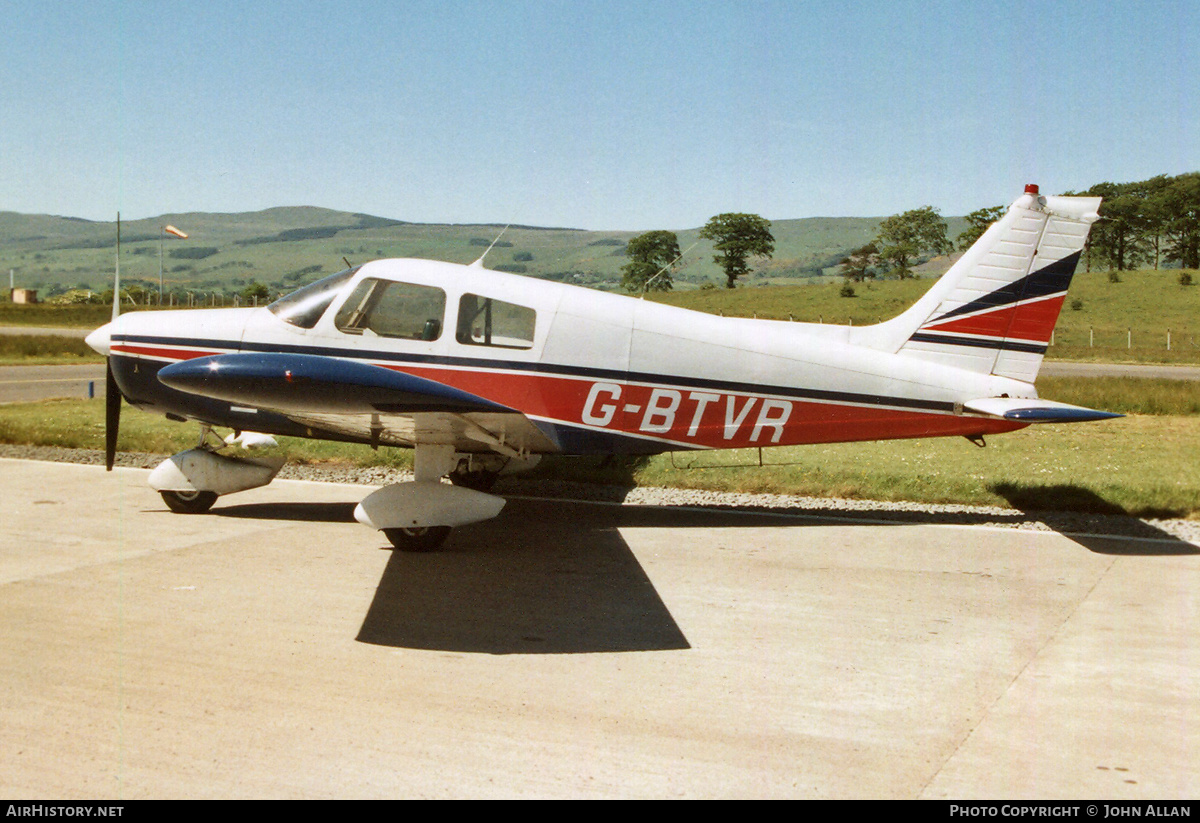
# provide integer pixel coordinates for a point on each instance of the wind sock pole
(112, 397)
(117, 274)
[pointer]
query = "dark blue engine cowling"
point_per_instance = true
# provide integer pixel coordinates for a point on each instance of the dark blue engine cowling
(313, 384)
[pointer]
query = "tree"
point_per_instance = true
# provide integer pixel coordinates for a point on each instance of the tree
(738, 236)
(1155, 215)
(903, 237)
(1120, 235)
(1181, 217)
(860, 264)
(978, 222)
(652, 256)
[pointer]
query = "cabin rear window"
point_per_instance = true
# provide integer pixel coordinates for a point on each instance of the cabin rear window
(305, 306)
(485, 321)
(389, 309)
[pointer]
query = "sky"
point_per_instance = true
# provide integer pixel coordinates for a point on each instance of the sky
(597, 115)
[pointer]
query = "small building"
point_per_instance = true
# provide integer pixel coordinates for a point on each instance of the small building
(23, 295)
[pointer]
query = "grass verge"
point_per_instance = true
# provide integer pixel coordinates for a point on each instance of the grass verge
(1142, 465)
(45, 349)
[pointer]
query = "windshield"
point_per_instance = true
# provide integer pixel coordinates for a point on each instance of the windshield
(305, 306)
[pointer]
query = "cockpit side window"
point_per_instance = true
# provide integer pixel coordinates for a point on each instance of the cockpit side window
(305, 306)
(485, 321)
(390, 309)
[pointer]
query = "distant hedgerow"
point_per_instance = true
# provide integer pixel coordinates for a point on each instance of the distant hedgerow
(193, 252)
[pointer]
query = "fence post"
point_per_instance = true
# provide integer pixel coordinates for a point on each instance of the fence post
(1091, 337)
(1168, 339)
(1129, 338)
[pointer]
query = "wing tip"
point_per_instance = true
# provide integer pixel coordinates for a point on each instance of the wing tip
(1059, 415)
(1034, 410)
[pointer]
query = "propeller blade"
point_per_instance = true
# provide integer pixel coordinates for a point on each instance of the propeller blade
(112, 416)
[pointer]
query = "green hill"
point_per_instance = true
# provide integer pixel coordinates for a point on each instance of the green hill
(285, 247)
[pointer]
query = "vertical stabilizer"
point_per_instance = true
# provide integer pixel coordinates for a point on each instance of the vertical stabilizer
(995, 310)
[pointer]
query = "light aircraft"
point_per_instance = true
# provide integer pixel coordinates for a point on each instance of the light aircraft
(481, 372)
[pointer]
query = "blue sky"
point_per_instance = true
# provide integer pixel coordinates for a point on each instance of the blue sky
(598, 115)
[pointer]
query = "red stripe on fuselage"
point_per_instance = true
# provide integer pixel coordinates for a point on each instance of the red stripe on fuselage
(703, 418)
(161, 352)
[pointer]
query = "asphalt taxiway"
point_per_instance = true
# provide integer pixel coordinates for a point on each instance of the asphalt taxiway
(276, 648)
(27, 384)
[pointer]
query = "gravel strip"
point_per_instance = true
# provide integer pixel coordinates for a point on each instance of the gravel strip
(862, 510)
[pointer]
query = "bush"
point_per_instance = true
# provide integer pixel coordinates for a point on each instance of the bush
(193, 253)
(847, 290)
(255, 290)
(1185, 278)
(1076, 304)
(314, 233)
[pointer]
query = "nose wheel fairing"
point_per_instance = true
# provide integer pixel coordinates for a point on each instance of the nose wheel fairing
(201, 470)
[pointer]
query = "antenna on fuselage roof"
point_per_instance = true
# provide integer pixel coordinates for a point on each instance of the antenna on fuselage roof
(478, 264)
(347, 262)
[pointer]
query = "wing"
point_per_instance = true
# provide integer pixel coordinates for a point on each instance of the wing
(361, 401)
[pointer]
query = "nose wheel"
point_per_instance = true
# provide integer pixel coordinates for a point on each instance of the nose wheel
(417, 539)
(188, 502)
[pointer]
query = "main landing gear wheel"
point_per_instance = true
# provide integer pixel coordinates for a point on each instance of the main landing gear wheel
(418, 540)
(189, 502)
(481, 480)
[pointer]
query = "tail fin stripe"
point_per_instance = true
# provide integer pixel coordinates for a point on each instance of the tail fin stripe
(1051, 280)
(1011, 319)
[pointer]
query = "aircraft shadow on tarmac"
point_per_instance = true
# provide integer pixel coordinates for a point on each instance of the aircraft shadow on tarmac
(556, 577)
(1149, 539)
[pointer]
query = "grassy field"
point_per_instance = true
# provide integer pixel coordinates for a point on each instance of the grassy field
(79, 424)
(1140, 465)
(1124, 395)
(1102, 321)
(45, 315)
(1147, 464)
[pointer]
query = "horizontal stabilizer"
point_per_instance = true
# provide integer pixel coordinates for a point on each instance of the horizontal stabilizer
(1033, 410)
(306, 383)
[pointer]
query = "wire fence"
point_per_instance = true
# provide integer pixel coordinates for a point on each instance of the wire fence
(1163, 341)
